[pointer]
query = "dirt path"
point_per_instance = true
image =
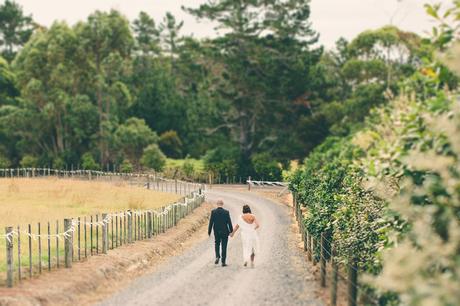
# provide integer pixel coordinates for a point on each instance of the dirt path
(281, 275)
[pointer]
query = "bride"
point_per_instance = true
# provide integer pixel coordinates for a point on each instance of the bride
(248, 224)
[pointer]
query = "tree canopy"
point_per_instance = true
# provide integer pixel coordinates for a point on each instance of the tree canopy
(262, 89)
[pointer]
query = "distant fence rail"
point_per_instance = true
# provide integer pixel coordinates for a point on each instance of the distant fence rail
(48, 246)
(267, 183)
(149, 181)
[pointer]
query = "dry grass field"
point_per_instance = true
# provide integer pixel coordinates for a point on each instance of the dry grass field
(24, 201)
(32, 201)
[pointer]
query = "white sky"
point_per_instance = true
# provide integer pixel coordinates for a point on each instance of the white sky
(331, 18)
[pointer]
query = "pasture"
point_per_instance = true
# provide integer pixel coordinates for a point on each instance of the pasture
(24, 201)
(40, 206)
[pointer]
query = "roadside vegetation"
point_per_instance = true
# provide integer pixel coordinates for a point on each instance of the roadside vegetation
(387, 194)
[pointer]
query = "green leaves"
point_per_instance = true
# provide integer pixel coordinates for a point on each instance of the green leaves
(133, 136)
(15, 29)
(153, 158)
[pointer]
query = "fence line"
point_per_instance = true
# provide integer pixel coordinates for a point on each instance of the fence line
(149, 181)
(324, 252)
(76, 239)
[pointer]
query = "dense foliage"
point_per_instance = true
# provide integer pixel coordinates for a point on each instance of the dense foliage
(249, 100)
(387, 195)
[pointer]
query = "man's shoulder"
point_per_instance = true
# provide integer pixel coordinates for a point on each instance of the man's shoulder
(220, 210)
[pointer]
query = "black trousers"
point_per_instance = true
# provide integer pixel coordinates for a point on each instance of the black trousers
(221, 240)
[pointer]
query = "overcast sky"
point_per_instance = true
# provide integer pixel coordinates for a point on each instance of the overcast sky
(331, 18)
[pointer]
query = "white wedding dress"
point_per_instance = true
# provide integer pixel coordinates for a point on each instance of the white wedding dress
(249, 237)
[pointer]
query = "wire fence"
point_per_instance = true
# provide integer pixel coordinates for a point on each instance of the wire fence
(322, 250)
(39, 247)
(149, 181)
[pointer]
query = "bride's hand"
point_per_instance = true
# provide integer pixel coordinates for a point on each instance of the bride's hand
(231, 234)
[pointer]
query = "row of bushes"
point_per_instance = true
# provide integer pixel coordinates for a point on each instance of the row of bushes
(388, 195)
(152, 158)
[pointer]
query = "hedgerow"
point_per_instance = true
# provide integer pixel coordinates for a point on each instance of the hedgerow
(388, 195)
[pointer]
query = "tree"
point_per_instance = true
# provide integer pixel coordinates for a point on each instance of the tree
(153, 158)
(107, 40)
(15, 29)
(132, 137)
(126, 166)
(45, 74)
(265, 68)
(88, 162)
(147, 35)
(29, 161)
(266, 168)
(8, 89)
(4, 161)
(171, 144)
(398, 51)
(170, 34)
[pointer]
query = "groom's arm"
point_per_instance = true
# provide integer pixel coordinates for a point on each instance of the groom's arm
(211, 223)
(229, 223)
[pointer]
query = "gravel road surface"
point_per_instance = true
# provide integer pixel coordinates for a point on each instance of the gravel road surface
(280, 277)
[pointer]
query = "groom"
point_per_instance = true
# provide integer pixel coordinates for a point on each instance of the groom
(222, 224)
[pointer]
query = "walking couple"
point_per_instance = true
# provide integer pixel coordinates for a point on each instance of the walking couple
(221, 223)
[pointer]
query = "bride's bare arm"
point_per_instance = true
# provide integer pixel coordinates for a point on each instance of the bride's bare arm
(257, 223)
(234, 230)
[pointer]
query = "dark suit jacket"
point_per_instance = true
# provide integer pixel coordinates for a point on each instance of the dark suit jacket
(221, 222)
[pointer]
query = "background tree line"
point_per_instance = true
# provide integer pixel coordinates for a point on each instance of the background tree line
(107, 91)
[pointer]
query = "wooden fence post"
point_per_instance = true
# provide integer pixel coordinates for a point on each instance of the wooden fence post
(249, 184)
(68, 243)
(149, 224)
(314, 244)
(9, 256)
(19, 254)
(323, 260)
(49, 247)
(334, 278)
(130, 227)
(39, 249)
(308, 246)
(30, 250)
(105, 241)
(352, 282)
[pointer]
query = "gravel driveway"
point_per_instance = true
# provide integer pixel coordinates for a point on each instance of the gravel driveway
(280, 277)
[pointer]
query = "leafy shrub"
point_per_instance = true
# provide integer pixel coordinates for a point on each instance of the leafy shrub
(171, 144)
(133, 136)
(29, 161)
(126, 166)
(153, 158)
(223, 161)
(388, 195)
(266, 168)
(188, 169)
(4, 161)
(88, 162)
(58, 163)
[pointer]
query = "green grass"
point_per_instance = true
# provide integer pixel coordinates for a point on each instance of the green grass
(198, 164)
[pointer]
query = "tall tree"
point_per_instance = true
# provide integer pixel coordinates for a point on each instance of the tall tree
(147, 35)
(107, 41)
(15, 29)
(53, 105)
(170, 34)
(266, 67)
(8, 88)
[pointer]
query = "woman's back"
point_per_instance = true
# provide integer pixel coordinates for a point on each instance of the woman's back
(247, 224)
